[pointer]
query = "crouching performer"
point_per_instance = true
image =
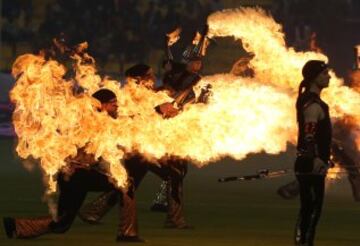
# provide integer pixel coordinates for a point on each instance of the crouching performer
(86, 175)
(314, 141)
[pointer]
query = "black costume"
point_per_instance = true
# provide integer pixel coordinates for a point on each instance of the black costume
(72, 192)
(173, 172)
(311, 185)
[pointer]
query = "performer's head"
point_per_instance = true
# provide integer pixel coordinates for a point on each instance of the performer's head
(315, 74)
(194, 64)
(142, 74)
(108, 101)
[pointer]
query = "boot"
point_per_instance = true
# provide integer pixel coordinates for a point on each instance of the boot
(95, 210)
(299, 237)
(289, 191)
(310, 234)
(27, 228)
(128, 227)
(175, 217)
(160, 203)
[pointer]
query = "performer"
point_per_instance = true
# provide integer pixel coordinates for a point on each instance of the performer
(172, 172)
(86, 174)
(181, 77)
(343, 149)
(314, 141)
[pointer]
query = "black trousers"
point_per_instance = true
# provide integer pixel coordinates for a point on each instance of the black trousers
(173, 170)
(311, 201)
(72, 192)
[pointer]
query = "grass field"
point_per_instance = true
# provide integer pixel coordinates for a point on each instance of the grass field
(235, 213)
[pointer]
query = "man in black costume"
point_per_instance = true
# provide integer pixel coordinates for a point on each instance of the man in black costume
(314, 141)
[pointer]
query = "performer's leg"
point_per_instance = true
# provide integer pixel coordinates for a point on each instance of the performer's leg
(175, 216)
(318, 187)
(95, 210)
(128, 227)
(160, 203)
(26, 227)
(305, 212)
(70, 197)
(73, 192)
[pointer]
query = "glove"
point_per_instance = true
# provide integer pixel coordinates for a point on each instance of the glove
(168, 110)
(319, 167)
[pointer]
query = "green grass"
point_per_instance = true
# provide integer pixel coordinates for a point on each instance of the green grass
(235, 213)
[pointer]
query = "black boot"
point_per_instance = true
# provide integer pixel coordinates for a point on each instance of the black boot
(160, 203)
(9, 226)
(310, 234)
(299, 235)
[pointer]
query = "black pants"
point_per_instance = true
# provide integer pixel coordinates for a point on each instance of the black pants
(174, 171)
(72, 192)
(311, 200)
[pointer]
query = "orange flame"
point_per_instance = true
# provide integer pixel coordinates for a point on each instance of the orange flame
(173, 36)
(244, 115)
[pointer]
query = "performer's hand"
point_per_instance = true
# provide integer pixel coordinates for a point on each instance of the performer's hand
(168, 110)
(319, 167)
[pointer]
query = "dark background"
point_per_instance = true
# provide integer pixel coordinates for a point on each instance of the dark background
(123, 32)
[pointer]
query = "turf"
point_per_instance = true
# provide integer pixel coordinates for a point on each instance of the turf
(235, 213)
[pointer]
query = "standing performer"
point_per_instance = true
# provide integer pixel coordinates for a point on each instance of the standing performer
(343, 149)
(314, 141)
(86, 174)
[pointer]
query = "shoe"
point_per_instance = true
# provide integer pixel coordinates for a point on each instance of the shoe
(129, 239)
(158, 207)
(9, 225)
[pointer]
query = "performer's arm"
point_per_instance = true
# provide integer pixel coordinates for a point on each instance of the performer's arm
(312, 114)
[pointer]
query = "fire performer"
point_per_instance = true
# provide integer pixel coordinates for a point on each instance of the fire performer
(314, 141)
(171, 171)
(179, 80)
(343, 149)
(83, 174)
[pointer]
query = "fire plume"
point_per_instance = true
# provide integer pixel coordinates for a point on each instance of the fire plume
(244, 115)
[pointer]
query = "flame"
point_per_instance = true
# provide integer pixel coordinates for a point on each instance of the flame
(173, 36)
(196, 38)
(244, 115)
(334, 173)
